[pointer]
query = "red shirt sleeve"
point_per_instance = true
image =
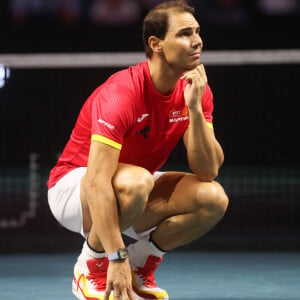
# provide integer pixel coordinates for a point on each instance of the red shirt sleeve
(112, 112)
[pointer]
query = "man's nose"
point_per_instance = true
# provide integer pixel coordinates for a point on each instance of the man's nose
(197, 42)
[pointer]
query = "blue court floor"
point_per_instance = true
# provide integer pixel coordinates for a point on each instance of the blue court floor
(186, 275)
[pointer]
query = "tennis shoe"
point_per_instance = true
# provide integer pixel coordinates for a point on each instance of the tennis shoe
(143, 281)
(89, 283)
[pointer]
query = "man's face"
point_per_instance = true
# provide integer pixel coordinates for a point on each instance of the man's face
(182, 45)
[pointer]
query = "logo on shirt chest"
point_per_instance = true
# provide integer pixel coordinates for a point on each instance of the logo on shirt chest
(144, 131)
(179, 115)
(142, 117)
(143, 120)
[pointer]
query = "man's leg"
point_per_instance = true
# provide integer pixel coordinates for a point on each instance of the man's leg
(132, 186)
(181, 208)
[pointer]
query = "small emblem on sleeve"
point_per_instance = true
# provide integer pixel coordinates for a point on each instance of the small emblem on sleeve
(106, 124)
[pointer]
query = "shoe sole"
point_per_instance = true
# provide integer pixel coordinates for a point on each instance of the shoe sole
(76, 292)
(137, 297)
(78, 295)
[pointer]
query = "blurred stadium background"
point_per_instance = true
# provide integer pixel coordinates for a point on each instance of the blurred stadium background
(256, 117)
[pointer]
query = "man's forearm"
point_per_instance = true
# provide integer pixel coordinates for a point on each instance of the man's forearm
(104, 213)
(204, 153)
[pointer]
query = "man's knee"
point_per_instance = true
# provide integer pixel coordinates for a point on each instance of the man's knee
(222, 201)
(216, 199)
(132, 186)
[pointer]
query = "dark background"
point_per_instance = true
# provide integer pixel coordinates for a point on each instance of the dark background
(255, 119)
(78, 25)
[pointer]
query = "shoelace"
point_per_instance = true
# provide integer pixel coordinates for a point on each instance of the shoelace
(98, 279)
(147, 273)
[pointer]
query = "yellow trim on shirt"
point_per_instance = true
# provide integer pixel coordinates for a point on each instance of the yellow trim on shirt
(210, 125)
(107, 141)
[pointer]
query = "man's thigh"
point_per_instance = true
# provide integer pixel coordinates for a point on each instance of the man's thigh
(128, 180)
(175, 193)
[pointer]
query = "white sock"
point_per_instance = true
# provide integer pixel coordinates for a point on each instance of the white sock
(139, 251)
(88, 253)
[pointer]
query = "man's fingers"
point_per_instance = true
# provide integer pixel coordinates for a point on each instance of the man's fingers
(131, 294)
(117, 295)
(107, 291)
(197, 74)
(201, 71)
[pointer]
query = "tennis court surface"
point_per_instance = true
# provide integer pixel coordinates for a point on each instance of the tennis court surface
(185, 275)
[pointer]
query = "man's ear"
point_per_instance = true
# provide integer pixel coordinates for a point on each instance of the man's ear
(155, 44)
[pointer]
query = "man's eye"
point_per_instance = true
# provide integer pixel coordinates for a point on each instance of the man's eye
(185, 33)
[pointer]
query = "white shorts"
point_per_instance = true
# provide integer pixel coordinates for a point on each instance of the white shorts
(65, 204)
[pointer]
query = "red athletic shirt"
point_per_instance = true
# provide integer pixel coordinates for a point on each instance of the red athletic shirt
(128, 113)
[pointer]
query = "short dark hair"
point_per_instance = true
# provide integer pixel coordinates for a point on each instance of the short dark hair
(156, 22)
